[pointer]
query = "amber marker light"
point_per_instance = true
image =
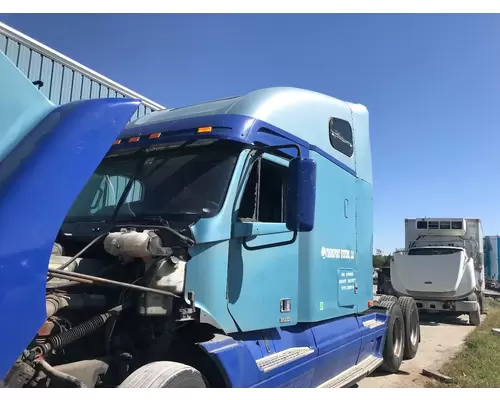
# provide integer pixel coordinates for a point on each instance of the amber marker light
(205, 129)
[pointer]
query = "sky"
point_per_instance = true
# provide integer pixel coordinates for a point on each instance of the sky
(430, 82)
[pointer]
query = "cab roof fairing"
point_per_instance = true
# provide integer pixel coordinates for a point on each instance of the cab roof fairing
(301, 116)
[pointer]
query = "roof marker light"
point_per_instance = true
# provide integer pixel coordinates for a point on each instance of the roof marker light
(117, 141)
(154, 135)
(134, 139)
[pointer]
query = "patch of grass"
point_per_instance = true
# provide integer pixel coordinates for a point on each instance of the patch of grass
(476, 365)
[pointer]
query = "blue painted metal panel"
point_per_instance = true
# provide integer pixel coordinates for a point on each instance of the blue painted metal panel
(372, 343)
(212, 237)
(364, 239)
(21, 115)
(300, 372)
(317, 278)
(330, 246)
(338, 342)
(494, 272)
(347, 287)
(254, 298)
(301, 113)
(80, 135)
(491, 259)
(269, 266)
(487, 256)
(337, 345)
(362, 142)
(238, 355)
(237, 359)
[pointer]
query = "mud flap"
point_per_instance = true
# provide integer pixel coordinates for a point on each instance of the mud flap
(51, 153)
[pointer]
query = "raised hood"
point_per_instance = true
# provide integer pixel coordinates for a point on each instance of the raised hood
(47, 154)
(441, 276)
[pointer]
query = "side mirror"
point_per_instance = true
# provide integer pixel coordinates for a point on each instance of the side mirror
(301, 196)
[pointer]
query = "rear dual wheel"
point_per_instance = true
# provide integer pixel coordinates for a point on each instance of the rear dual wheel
(394, 338)
(412, 326)
(403, 332)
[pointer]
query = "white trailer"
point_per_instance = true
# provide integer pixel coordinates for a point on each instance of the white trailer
(442, 266)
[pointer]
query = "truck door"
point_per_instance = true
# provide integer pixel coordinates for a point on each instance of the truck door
(263, 268)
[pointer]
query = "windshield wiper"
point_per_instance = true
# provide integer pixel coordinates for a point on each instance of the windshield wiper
(161, 224)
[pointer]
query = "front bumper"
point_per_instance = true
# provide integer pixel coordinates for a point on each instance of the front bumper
(464, 306)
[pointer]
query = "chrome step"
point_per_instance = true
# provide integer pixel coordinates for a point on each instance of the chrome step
(272, 361)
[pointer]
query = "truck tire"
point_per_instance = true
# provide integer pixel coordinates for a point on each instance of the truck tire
(475, 317)
(164, 374)
(480, 299)
(394, 339)
(386, 297)
(412, 326)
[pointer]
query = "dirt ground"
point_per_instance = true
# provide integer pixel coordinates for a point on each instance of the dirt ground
(441, 339)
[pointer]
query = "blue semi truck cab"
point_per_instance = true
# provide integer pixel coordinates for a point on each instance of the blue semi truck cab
(225, 244)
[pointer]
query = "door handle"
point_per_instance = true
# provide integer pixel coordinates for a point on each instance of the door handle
(346, 204)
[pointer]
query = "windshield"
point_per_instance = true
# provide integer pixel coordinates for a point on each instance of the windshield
(433, 251)
(186, 180)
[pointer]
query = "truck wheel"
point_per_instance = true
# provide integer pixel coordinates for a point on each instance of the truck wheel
(475, 317)
(394, 339)
(480, 299)
(386, 297)
(412, 326)
(164, 374)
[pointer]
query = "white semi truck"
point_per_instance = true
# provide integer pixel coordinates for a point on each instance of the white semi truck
(442, 266)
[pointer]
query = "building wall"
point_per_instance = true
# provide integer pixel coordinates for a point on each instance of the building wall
(64, 80)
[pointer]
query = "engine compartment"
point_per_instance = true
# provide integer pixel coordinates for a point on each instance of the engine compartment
(112, 306)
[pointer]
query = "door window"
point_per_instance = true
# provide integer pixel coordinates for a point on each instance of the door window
(264, 198)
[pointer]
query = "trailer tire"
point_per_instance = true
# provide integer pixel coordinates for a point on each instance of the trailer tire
(386, 297)
(394, 344)
(164, 374)
(412, 326)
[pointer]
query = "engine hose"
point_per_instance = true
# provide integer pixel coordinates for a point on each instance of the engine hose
(64, 338)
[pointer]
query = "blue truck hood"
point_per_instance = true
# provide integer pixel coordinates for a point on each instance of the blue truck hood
(47, 154)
